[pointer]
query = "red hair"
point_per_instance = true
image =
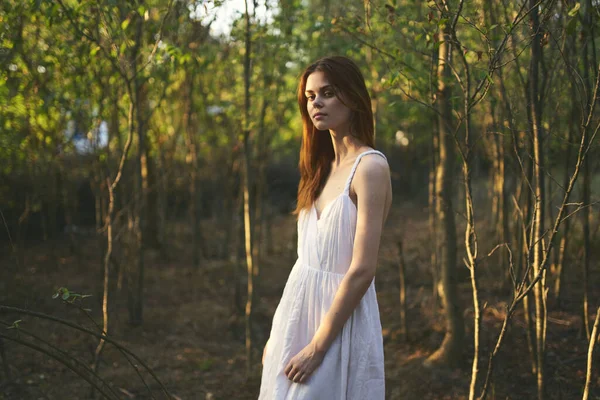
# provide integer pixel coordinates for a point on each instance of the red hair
(316, 152)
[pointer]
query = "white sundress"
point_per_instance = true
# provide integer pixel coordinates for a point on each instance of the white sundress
(353, 366)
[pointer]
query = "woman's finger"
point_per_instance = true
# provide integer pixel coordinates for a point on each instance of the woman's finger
(303, 378)
(297, 376)
(288, 368)
(292, 373)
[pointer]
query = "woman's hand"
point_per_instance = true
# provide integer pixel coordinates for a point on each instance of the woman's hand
(265, 352)
(303, 364)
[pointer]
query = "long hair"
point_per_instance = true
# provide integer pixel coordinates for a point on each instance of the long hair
(316, 152)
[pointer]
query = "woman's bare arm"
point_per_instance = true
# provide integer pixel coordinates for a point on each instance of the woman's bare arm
(373, 190)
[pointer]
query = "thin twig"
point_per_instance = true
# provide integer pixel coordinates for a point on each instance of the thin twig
(60, 360)
(593, 340)
(90, 332)
(7, 231)
(63, 353)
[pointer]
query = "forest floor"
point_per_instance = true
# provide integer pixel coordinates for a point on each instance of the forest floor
(193, 331)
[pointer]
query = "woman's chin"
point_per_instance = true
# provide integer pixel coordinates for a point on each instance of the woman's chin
(321, 126)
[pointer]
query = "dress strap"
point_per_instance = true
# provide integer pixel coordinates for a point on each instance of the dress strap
(347, 188)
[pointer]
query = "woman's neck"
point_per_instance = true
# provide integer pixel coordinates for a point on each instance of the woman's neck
(344, 146)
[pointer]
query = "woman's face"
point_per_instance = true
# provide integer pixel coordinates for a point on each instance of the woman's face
(324, 107)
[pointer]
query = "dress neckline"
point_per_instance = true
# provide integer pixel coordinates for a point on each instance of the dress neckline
(320, 217)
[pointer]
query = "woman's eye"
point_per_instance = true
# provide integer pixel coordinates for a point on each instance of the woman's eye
(311, 97)
(329, 94)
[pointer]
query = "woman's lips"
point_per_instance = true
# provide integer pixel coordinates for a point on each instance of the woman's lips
(319, 116)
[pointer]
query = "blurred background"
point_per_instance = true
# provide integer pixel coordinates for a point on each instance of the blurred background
(148, 170)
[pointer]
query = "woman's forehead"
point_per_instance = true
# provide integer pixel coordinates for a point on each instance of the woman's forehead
(316, 81)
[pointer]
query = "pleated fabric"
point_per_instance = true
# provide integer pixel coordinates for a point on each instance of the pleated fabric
(353, 366)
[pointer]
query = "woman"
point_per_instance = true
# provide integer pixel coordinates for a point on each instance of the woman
(326, 341)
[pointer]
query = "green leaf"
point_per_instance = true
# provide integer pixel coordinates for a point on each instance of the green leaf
(125, 24)
(66, 294)
(575, 9)
(94, 51)
(15, 324)
(59, 292)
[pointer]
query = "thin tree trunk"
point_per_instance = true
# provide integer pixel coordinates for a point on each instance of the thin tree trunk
(433, 223)
(262, 161)
(561, 251)
(402, 275)
(162, 188)
(501, 228)
(519, 237)
(239, 246)
(109, 224)
(499, 208)
(525, 260)
(585, 215)
(106, 281)
(593, 340)
(374, 77)
(188, 128)
(449, 352)
(246, 190)
(151, 203)
(470, 232)
(96, 187)
(562, 248)
(113, 130)
(538, 244)
(136, 301)
(588, 40)
(136, 91)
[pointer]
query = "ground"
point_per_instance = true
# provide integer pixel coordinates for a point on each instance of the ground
(193, 334)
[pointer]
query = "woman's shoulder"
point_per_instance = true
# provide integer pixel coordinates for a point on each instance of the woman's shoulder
(372, 171)
(372, 162)
(372, 179)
